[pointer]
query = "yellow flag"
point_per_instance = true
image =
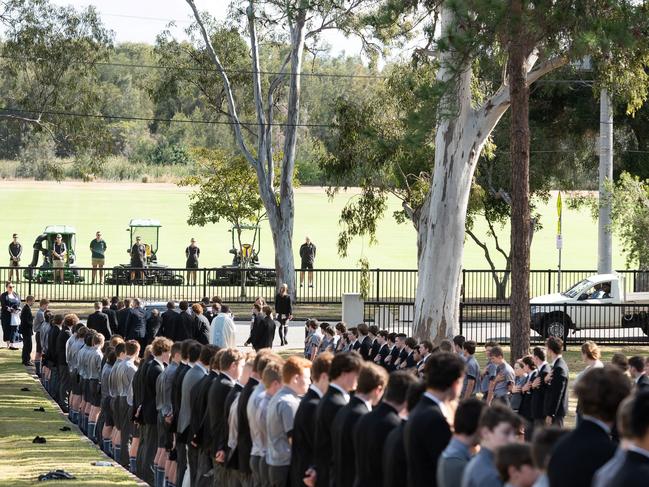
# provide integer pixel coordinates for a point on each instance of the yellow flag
(559, 208)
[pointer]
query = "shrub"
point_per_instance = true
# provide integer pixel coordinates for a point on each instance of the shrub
(37, 158)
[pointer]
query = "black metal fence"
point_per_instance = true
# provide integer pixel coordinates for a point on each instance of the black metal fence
(232, 285)
(395, 317)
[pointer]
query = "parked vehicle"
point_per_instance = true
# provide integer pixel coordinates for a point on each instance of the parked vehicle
(599, 301)
(43, 245)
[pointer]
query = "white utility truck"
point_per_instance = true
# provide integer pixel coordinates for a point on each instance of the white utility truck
(599, 301)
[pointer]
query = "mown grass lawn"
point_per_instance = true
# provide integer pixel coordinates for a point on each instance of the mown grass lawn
(21, 461)
(110, 206)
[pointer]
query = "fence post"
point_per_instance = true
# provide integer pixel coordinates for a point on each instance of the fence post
(549, 282)
(205, 282)
(116, 286)
(461, 312)
(378, 284)
(29, 284)
(463, 290)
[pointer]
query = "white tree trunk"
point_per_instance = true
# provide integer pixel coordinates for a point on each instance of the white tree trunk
(459, 139)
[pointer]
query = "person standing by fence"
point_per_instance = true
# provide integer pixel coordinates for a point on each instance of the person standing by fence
(59, 255)
(192, 253)
(98, 250)
(15, 251)
(307, 255)
(26, 330)
(10, 315)
(284, 312)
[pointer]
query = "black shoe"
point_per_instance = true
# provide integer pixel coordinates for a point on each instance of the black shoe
(14, 348)
(40, 409)
(39, 439)
(28, 364)
(64, 428)
(25, 389)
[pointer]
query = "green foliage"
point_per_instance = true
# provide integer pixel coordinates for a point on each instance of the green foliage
(167, 153)
(37, 159)
(364, 281)
(227, 189)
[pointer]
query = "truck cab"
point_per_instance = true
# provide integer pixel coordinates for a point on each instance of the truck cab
(580, 307)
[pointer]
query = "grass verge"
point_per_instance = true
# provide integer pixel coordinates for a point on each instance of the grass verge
(22, 461)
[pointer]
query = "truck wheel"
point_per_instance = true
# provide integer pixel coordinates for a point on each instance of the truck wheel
(555, 326)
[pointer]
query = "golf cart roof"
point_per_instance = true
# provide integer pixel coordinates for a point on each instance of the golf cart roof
(62, 229)
(144, 222)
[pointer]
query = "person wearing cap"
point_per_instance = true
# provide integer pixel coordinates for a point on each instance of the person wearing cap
(192, 253)
(98, 249)
(59, 253)
(15, 251)
(138, 257)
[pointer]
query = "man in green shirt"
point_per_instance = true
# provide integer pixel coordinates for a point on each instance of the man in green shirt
(98, 248)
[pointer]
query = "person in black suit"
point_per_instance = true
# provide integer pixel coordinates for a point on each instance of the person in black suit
(168, 321)
(410, 347)
(256, 329)
(186, 363)
(122, 317)
(376, 345)
(112, 315)
(161, 349)
(578, 455)
(268, 329)
(98, 321)
(69, 322)
(371, 431)
(185, 324)
(302, 448)
(555, 402)
(394, 471)
(199, 433)
(365, 348)
(343, 375)
(383, 349)
(634, 472)
(637, 370)
(427, 431)
(136, 324)
(231, 453)
(26, 330)
(371, 384)
(538, 387)
(393, 352)
(231, 364)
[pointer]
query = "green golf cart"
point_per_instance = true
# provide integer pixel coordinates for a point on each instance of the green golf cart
(43, 245)
(152, 273)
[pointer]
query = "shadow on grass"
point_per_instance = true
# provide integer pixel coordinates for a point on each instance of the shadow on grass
(21, 461)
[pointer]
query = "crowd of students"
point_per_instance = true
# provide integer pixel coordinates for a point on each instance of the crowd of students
(362, 408)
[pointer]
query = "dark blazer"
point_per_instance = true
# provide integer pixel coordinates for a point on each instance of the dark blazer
(98, 321)
(332, 402)
(112, 318)
(149, 411)
(232, 456)
(356, 346)
(538, 395)
(176, 393)
(366, 348)
(255, 337)
(135, 324)
(410, 361)
(26, 327)
(426, 434)
(303, 437)
(384, 351)
(394, 459)
(61, 342)
(201, 330)
(370, 434)
(555, 402)
(184, 327)
(122, 317)
(376, 346)
(168, 327)
(153, 324)
(395, 353)
(216, 413)
(139, 380)
(642, 384)
(633, 473)
(244, 442)
(198, 433)
(577, 456)
(283, 305)
(342, 441)
(268, 332)
(52, 337)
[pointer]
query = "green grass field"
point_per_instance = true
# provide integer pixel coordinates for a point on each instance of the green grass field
(30, 206)
(22, 461)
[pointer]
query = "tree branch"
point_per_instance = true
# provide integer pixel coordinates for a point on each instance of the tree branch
(226, 83)
(34, 121)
